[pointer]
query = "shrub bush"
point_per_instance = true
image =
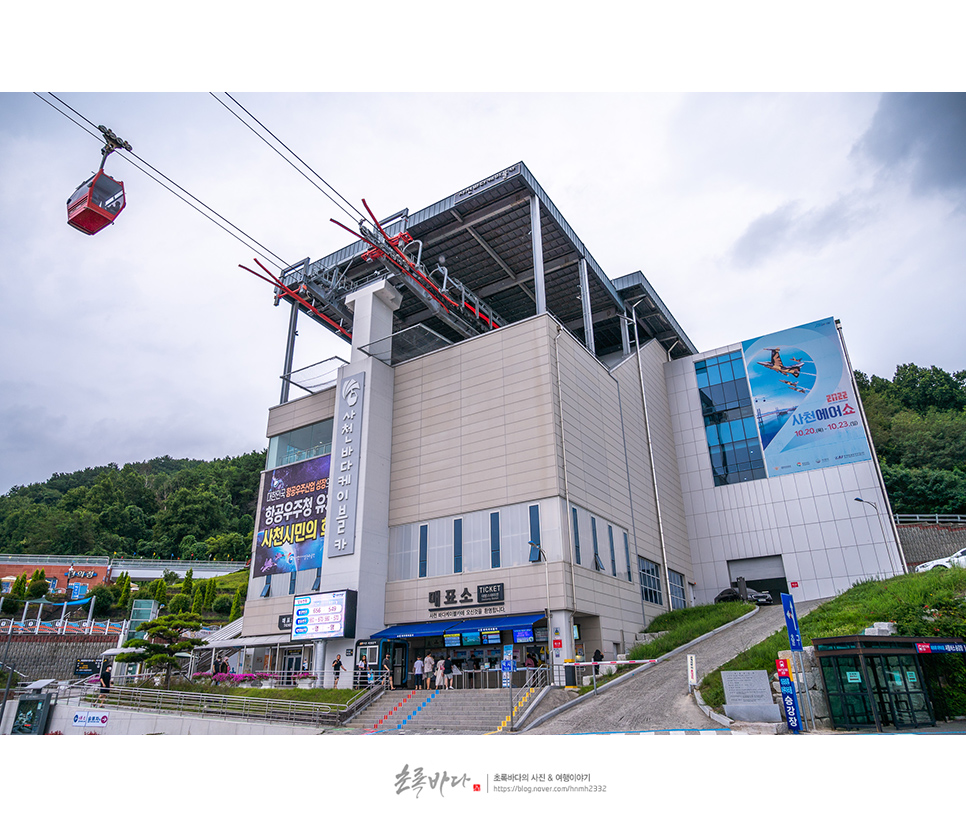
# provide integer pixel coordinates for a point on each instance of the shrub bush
(222, 605)
(179, 603)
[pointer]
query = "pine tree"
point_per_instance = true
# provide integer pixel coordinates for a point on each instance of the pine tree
(211, 591)
(124, 582)
(167, 636)
(199, 599)
(188, 586)
(237, 606)
(19, 588)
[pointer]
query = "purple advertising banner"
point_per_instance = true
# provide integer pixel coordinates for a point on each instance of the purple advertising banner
(291, 525)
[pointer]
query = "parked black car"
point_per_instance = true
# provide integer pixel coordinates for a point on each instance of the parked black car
(757, 597)
(728, 595)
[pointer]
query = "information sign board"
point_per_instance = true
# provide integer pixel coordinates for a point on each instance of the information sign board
(320, 616)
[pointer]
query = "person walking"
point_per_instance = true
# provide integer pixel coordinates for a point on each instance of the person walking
(428, 670)
(418, 673)
(105, 678)
(336, 669)
(362, 673)
(598, 657)
(387, 672)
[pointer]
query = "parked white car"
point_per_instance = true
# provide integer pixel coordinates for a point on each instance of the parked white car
(958, 559)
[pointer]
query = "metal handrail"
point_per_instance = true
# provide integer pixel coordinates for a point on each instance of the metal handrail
(89, 627)
(177, 565)
(214, 705)
(929, 518)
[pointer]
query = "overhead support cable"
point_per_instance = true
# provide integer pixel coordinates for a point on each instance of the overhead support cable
(189, 199)
(344, 206)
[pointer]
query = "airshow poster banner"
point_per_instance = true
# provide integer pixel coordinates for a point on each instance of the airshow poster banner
(804, 398)
(291, 526)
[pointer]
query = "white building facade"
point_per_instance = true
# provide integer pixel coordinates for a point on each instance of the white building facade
(528, 459)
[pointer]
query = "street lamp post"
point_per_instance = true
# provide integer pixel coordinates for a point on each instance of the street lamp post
(542, 555)
(885, 538)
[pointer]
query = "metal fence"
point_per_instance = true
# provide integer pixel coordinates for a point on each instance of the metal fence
(210, 705)
(927, 518)
(12, 626)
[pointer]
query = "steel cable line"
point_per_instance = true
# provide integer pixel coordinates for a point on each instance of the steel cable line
(276, 260)
(357, 216)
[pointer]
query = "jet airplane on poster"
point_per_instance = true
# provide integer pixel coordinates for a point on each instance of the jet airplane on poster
(776, 364)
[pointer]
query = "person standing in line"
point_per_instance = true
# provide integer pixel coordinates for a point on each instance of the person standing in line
(440, 673)
(418, 673)
(428, 670)
(336, 669)
(448, 671)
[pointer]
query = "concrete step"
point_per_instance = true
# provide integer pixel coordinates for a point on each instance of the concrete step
(482, 711)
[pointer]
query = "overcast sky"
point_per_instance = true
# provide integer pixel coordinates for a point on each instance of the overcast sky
(747, 213)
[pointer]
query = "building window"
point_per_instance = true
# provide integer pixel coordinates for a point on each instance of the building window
(458, 545)
(300, 444)
(729, 419)
(318, 579)
(423, 548)
(613, 553)
(598, 565)
(267, 587)
(627, 557)
(291, 582)
(576, 537)
(650, 573)
(534, 532)
(494, 540)
(676, 589)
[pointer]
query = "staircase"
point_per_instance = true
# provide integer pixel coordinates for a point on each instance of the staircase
(451, 711)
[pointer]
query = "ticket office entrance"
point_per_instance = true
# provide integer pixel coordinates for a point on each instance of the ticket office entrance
(376, 651)
(872, 682)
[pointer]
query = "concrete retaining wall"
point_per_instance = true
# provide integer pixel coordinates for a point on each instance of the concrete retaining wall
(923, 542)
(127, 723)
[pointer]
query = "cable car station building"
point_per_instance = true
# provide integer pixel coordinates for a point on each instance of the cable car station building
(522, 451)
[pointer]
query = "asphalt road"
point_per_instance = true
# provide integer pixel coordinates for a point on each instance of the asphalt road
(656, 698)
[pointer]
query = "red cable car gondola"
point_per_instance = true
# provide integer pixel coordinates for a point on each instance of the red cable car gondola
(98, 201)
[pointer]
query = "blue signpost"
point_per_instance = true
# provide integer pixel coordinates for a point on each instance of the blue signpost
(789, 697)
(791, 621)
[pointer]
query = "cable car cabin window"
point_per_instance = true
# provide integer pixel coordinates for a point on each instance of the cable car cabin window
(108, 195)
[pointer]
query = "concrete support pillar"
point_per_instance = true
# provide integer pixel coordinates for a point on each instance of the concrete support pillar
(289, 352)
(372, 307)
(585, 307)
(536, 235)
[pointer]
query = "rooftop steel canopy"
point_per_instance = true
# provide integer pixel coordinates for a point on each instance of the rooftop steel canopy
(468, 264)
